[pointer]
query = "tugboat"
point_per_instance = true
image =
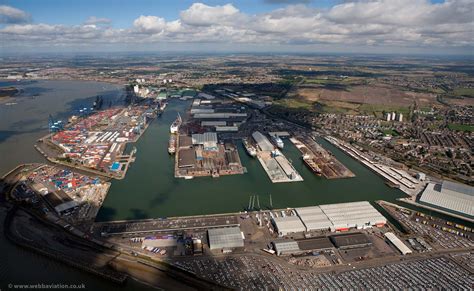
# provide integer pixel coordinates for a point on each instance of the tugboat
(249, 148)
(176, 124)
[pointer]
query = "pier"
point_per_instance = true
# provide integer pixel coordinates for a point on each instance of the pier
(320, 161)
(396, 177)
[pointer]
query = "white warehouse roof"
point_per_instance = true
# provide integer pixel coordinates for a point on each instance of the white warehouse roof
(262, 141)
(288, 224)
(398, 243)
(207, 137)
(450, 196)
(313, 218)
(225, 237)
(286, 247)
(352, 214)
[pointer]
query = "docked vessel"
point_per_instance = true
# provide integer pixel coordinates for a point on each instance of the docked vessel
(249, 148)
(174, 128)
(312, 165)
(172, 144)
(163, 106)
(278, 141)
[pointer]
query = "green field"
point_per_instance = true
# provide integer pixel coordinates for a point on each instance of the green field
(390, 132)
(294, 104)
(461, 127)
(466, 92)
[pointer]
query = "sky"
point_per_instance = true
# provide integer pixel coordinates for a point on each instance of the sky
(340, 26)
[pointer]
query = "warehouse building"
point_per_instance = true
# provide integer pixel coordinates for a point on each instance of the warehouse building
(350, 240)
(220, 115)
(358, 215)
(207, 139)
(286, 247)
(263, 143)
(313, 218)
(393, 239)
(160, 241)
(214, 123)
(186, 158)
(225, 238)
(288, 224)
(451, 197)
(320, 243)
(185, 141)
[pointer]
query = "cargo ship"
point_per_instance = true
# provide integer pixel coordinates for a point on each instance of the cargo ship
(174, 128)
(249, 148)
(172, 144)
(278, 141)
(308, 160)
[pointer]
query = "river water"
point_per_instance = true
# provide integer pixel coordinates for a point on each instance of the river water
(20, 126)
(150, 190)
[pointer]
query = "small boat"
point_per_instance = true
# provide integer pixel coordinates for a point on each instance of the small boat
(188, 177)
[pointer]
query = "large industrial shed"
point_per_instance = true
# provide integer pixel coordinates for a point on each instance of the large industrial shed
(313, 218)
(288, 224)
(263, 143)
(452, 197)
(359, 215)
(398, 243)
(350, 240)
(207, 139)
(286, 247)
(225, 238)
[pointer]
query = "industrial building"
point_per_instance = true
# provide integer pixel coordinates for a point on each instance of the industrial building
(358, 215)
(340, 216)
(263, 143)
(286, 247)
(392, 238)
(320, 243)
(313, 218)
(185, 141)
(451, 197)
(220, 115)
(207, 139)
(350, 240)
(288, 224)
(333, 217)
(225, 238)
(160, 241)
(186, 158)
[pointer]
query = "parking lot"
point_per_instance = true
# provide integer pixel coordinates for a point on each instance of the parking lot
(438, 238)
(257, 273)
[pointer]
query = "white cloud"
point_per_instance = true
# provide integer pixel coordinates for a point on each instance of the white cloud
(150, 24)
(10, 15)
(202, 15)
(97, 20)
(381, 23)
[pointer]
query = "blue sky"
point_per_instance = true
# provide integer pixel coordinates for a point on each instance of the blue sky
(385, 26)
(123, 12)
